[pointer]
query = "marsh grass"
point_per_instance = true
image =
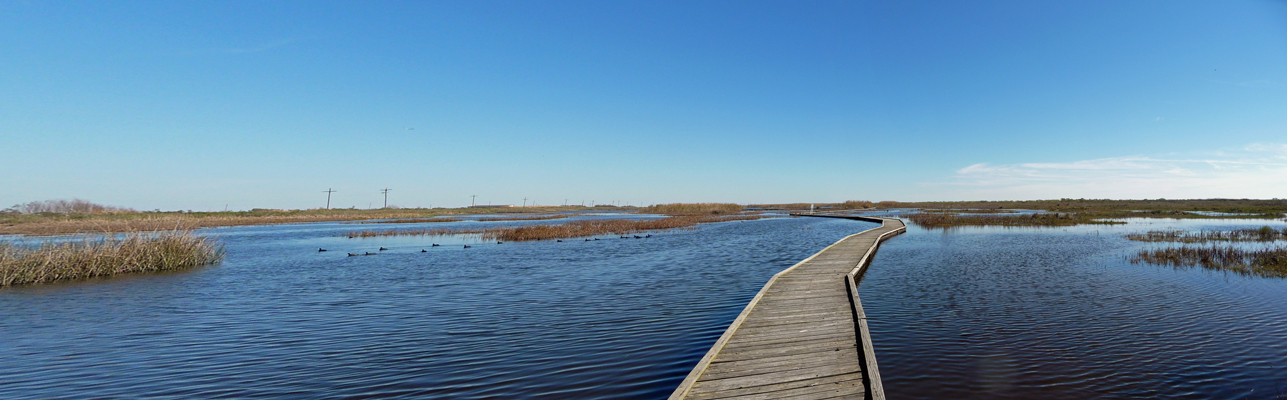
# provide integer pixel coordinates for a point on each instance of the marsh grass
(694, 209)
(568, 230)
(1270, 262)
(1262, 234)
(63, 224)
(947, 220)
(968, 211)
(92, 257)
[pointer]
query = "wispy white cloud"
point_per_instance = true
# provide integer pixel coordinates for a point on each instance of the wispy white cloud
(1257, 171)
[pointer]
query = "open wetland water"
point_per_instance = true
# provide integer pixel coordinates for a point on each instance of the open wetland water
(974, 312)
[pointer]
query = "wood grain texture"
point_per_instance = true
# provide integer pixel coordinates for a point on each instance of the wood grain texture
(801, 337)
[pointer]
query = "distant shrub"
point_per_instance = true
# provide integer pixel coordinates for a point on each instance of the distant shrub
(855, 205)
(694, 208)
(889, 204)
(73, 206)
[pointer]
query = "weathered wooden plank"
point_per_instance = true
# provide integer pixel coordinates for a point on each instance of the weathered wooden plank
(783, 389)
(780, 364)
(801, 374)
(799, 337)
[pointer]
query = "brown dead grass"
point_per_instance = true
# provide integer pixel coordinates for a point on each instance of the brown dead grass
(1268, 263)
(694, 209)
(90, 257)
(63, 224)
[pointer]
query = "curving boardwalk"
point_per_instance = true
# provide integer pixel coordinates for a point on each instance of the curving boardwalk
(804, 334)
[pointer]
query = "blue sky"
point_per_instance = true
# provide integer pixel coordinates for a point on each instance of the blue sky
(202, 105)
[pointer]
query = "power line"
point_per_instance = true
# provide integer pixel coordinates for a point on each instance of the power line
(328, 192)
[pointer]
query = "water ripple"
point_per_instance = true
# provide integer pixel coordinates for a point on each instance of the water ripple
(612, 318)
(1054, 313)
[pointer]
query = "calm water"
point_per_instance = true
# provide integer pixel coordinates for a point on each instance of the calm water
(614, 318)
(1058, 313)
(965, 313)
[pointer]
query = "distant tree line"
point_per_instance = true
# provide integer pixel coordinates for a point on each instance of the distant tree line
(73, 206)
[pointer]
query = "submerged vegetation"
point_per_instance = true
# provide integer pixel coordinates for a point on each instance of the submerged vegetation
(947, 220)
(1262, 234)
(1270, 262)
(88, 257)
(568, 230)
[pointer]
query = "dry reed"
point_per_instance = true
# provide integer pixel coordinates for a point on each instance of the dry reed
(1263, 234)
(574, 229)
(90, 257)
(1271, 262)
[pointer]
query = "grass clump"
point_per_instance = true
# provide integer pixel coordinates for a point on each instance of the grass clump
(694, 209)
(568, 230)
(947, 220)
(1270, 263)
(87, 257)
(1262, 234)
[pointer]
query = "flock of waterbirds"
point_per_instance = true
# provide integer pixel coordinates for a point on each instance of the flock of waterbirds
(319, 250)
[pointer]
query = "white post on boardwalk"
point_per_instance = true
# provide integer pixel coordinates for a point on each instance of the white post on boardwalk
(811, 209)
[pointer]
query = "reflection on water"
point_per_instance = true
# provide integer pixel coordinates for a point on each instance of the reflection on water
(1059, 313)
(622, 318)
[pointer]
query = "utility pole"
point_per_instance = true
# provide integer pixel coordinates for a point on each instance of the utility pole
(386, 196)
(524, 202)
(471, 200)
(565, 202)
(328, 192)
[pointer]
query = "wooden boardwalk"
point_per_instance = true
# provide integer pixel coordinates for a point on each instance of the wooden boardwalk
(803, 336)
